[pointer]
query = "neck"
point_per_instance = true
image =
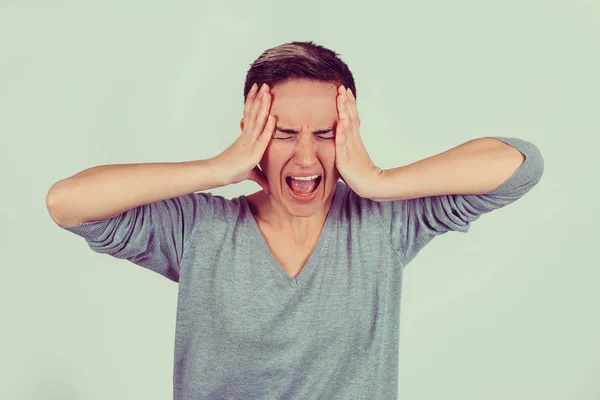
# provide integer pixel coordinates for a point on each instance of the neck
(274, 215)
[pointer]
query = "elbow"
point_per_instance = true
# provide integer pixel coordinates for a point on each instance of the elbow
(53, 205)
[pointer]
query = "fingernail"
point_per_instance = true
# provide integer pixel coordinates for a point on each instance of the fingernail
(263, 87)
(343, 87)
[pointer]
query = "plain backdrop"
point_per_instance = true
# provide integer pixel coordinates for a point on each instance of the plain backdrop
(508, 310)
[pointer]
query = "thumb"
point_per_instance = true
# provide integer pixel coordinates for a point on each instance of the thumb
(258, 176)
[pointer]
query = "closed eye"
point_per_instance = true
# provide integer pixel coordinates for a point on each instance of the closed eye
(288, 133)
(326, 137)
(319, 136)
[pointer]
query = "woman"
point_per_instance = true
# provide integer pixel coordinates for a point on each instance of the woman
(292, 291)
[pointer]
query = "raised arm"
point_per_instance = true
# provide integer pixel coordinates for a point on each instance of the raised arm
(106, 191)
(148, 213)
(475, 167)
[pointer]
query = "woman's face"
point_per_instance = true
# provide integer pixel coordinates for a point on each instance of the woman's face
(302, 145)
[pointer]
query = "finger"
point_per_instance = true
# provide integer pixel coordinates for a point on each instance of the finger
(267, 133)
(350, 94)
(250, 100)
(259, 112)
(341, 125)
(351, 107)
(341, 106)
(258, 100)
(253, 102)
(340, 132)
(348, 115)
(262, 113)
(343, 117)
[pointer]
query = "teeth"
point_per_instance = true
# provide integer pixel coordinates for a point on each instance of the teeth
(305, 178)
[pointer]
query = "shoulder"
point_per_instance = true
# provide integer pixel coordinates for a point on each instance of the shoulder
(217, 207)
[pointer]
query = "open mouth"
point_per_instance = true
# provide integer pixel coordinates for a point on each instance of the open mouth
(303, 186)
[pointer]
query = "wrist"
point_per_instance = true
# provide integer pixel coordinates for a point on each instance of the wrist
(373, 184)
(217, 172)
(208, 174)
(377, 188)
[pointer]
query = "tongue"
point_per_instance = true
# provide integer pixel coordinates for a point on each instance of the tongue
(303, 187)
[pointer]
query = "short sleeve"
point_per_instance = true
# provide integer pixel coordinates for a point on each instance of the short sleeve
(153, 236)
(414, 223)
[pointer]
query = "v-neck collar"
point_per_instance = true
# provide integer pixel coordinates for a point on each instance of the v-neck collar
(322, 240)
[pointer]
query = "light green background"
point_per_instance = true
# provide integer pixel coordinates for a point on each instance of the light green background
(506, 311)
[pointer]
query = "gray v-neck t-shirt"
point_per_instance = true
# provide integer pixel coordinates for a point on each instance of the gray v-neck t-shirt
(246, 330)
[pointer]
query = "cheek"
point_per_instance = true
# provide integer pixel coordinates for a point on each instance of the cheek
(327, 154)
(272, 160)
(265, 162)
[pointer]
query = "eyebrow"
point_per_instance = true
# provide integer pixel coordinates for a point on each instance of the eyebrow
(293, 131)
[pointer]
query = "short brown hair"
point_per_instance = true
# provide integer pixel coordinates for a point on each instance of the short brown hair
(298, 60)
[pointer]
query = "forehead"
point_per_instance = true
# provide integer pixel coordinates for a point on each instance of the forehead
(301, 103)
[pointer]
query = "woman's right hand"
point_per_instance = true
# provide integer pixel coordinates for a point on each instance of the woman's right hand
(239, 162)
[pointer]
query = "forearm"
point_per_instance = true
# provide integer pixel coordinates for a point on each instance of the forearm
(475, 167)
(105, 191)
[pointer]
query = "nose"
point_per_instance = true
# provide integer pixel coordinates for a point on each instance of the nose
(305, 152)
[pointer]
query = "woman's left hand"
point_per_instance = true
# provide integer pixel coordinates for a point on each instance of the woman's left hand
(351, 158)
